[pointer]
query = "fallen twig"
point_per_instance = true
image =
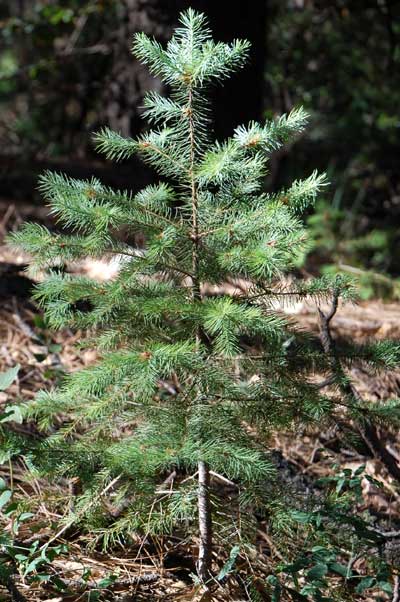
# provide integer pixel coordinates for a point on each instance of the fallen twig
(366, 429)
(97, 584)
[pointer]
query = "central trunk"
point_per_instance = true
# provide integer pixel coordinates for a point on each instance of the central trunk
(205, 524)
(204, 506)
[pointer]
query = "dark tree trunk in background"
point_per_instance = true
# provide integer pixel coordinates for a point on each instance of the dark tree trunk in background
(15, 8)
(128, 80)
(238, 101)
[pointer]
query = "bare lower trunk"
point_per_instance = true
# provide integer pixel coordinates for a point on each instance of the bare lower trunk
(205, 523)
(396, 589)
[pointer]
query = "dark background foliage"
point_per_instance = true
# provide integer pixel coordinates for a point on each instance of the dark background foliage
(66, 69)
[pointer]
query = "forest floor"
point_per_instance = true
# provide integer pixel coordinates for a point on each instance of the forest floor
(155, 571)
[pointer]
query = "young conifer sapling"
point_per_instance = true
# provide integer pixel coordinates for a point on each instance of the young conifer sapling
(197, 364)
